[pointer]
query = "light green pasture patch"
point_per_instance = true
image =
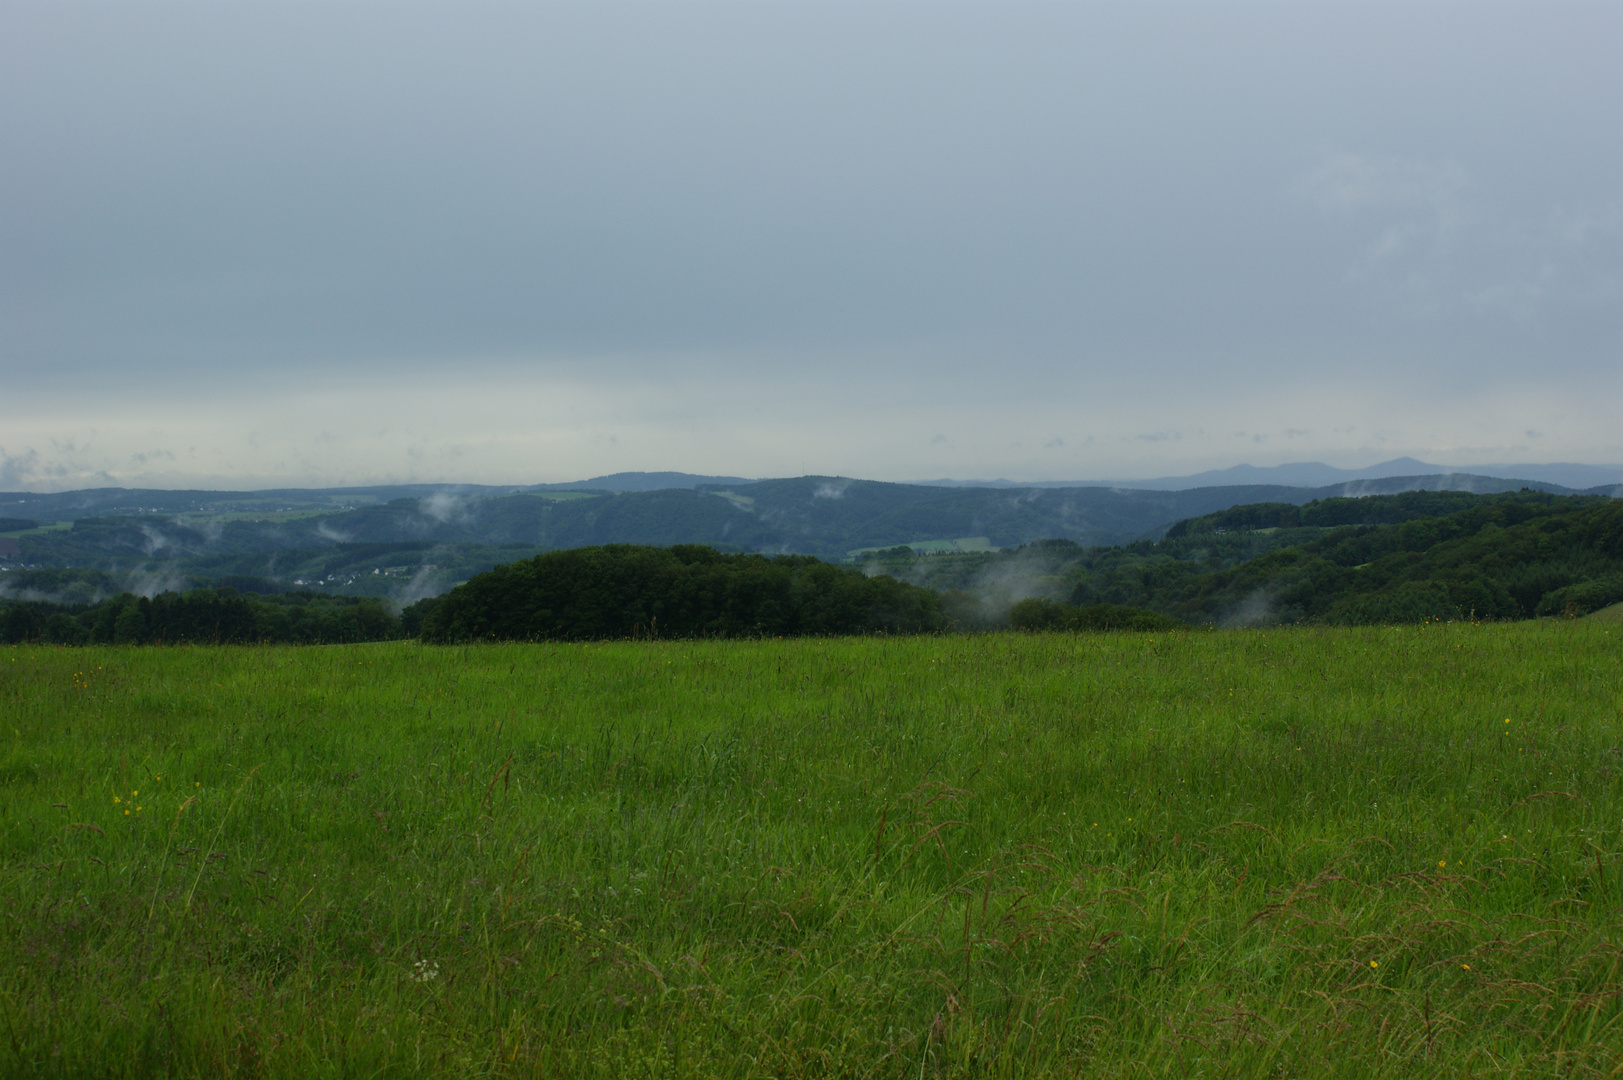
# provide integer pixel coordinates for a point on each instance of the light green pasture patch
(199, 520)
(567, 496)
(55, 526)
(936, 547)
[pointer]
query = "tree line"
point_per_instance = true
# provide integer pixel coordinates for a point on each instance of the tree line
(199, 616)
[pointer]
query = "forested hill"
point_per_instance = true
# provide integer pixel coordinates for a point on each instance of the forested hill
(1498, 559)
(685, 591)
(1407, 558)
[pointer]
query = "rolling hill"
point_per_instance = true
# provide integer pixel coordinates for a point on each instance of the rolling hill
(435, 536)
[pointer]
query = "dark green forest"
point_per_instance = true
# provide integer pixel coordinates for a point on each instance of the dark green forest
(684, 591)
(1384, 559)
(200, 616)
(1505, 558)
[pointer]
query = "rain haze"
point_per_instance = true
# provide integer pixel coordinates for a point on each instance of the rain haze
(318, 244)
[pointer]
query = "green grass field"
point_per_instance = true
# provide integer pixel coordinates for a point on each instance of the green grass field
(1376, 852)
(58, 526)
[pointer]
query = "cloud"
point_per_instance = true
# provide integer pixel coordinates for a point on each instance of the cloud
(443, 506)
(337, 536)
(1257, 609)
(1347, 183)
(16, 472)
(1412, 213)
(150, 583)
(790, 239)
(1434, 236)
(144, 457)
(834, 490)
(156, 541)
(423, 584)
(70, 465)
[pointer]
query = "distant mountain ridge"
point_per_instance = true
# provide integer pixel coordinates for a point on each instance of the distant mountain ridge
(102, 502)
(98, 502)
(641, 481)
(1574, 477)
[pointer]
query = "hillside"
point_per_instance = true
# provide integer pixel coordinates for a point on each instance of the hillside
(276, 536)
(1384, 559)
(1500, 559)
(1412, 557)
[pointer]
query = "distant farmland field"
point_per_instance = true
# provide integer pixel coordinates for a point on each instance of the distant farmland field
(1367, 852)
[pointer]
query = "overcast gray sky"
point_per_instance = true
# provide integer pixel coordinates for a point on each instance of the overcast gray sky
(255, 244)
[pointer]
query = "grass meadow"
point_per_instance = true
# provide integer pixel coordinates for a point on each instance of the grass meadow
(1293, 853)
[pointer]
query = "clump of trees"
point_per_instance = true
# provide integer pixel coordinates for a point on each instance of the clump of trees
(1584, 597)
(685, 591)
(199, 616)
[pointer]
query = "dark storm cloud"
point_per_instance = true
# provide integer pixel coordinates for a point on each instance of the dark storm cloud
(1121, 205)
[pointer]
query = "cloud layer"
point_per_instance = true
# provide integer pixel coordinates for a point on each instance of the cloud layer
(287, 243)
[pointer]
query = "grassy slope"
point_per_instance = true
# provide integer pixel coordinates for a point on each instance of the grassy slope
(1244, 854)
(1614, 613)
